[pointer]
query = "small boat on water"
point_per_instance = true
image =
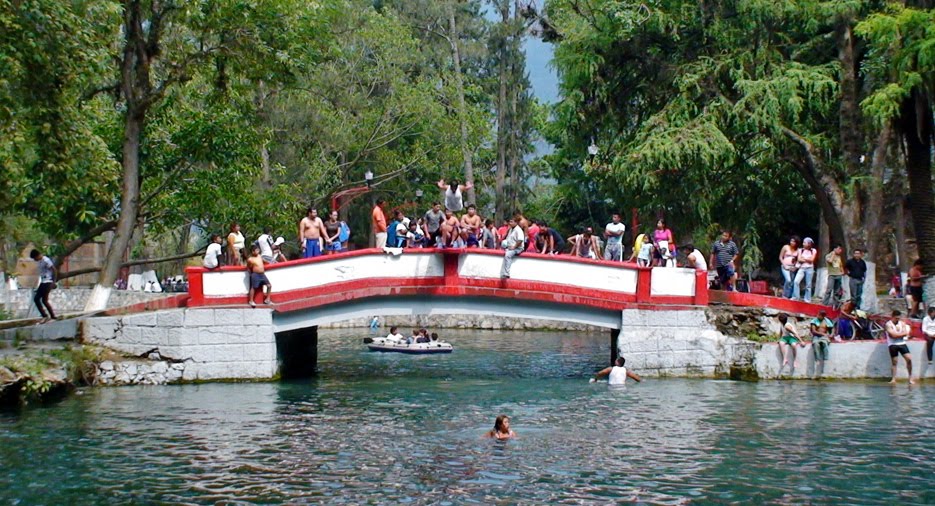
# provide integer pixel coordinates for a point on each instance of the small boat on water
(385, 345)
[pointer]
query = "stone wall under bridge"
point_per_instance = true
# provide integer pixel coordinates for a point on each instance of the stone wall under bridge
(240, 344)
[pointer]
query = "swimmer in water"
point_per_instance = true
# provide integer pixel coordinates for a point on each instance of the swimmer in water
(617, 374)
(501, 429)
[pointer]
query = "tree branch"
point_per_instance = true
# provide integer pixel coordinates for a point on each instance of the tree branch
(73, 246)
(90, 270)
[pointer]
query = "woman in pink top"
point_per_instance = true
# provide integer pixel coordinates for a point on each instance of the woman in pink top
(665, 251)
(788, 256)
(806, 269)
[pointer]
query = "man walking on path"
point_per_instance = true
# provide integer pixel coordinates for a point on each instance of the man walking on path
(311, 230)
(46, 284)
(856, 270)
(378, 220)
(723, 256)
(896, 333)
(835, 264)
(514, 244)
(613, 232)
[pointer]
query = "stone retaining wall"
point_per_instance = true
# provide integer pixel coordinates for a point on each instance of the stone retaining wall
(204, 344)
(69, 300)
(680, 343)
(850, 360)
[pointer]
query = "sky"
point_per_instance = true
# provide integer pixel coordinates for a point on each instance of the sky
(542, 76)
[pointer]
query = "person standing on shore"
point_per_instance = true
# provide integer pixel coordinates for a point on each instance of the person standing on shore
(311, 231)
(47, 276)
(897, 331)
(806, 270)
(378, 221)
(788, 256)
(914, 290)
(856, 270)
(834, 262)
(928, 331)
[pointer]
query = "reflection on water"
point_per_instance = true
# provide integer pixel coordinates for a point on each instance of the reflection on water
(383, 428)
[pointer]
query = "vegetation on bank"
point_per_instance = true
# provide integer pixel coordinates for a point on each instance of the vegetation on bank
(36, 374)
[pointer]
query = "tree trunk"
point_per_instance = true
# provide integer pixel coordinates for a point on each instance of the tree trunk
(502, 130)
(849, 110)
(872, 224)
(182, 247)
(915, 124)
(454, 37)
(138, 93)
(129, 211)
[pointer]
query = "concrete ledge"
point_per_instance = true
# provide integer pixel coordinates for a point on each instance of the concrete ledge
(848, 360)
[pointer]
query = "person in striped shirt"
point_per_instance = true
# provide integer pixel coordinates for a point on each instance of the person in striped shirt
(724, 257)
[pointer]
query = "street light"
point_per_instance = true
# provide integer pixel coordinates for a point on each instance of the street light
(368, 177)
(593, 149)
(419, 195)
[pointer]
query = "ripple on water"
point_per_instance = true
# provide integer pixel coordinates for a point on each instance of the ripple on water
(379, 429)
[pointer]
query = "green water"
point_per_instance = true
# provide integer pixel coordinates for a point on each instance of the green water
(385, 429)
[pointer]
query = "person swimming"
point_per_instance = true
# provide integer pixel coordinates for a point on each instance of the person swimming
(501, 429)
(617, 374)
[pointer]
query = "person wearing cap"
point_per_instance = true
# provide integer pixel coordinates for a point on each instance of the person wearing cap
(805, 264)
(277, 251)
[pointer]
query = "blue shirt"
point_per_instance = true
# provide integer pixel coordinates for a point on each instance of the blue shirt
(391, 234)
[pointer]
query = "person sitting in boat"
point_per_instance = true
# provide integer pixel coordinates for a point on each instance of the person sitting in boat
(501, 429)
(423, 336)
(435, 340)
(394, 336)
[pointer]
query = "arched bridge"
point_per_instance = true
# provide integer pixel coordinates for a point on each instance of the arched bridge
(369, 282)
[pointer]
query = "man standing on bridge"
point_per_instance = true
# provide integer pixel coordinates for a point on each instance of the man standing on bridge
(311, 230)
(378, 220)
(613, 232)
(724, 255)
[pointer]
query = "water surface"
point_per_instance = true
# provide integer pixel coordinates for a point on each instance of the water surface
(383, 428)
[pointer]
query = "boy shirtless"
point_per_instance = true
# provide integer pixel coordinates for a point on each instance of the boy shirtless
(258, 277)
(471, 222)
(450, 229)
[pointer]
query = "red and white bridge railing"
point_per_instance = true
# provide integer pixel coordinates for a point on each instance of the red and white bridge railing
(299, 284)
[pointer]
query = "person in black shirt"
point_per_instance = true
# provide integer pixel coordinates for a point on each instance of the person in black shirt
(856, 270)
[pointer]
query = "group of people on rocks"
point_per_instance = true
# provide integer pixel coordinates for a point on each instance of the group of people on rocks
(823, 331)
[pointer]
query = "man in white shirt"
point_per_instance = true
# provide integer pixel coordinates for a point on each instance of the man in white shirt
(394, 335)
(265, 241)
(928, 330)
(896, 333)
(514, 244)
(613, 232)
(213, 252)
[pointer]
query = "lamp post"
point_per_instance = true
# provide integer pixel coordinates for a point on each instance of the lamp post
(419, 195)
(368, 177)
(593, 149)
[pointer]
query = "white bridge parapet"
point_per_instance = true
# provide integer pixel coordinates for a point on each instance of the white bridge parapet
(462, 272)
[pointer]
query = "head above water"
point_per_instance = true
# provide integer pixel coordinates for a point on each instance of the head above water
(502, 424)
(620, 361)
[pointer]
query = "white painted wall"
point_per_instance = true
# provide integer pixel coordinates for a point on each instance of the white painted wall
(321, 273)
(524, 268)
(672, 282)
(847, 360)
